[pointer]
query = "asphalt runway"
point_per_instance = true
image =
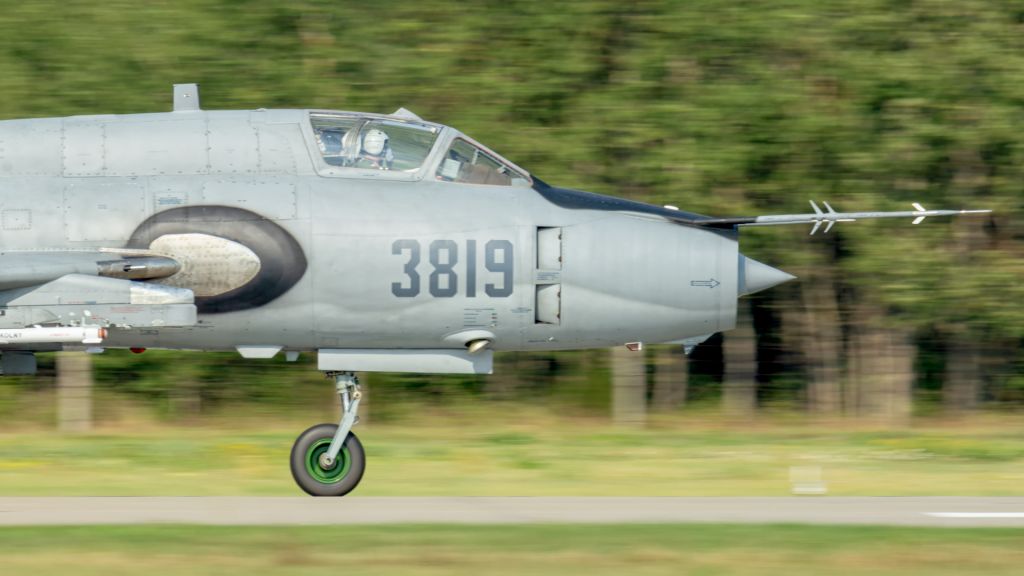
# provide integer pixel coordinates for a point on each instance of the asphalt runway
(893, 511)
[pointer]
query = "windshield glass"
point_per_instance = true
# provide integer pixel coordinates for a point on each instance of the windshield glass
(372, 143)
(468, 164)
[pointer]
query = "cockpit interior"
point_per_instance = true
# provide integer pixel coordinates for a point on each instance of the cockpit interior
(395, 147)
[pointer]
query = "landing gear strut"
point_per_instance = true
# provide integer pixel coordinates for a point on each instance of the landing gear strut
(328, 459)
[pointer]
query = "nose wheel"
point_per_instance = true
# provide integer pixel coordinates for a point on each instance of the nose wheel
(328, 459)
(319, 476)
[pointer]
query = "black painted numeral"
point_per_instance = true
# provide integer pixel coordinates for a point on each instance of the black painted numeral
(471, 268)
(410, 268)
(503, 265)
(444, 258)
(444, 269)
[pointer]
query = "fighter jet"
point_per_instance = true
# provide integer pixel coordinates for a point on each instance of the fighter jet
(380, 242)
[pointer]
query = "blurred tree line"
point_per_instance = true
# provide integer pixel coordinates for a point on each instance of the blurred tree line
(726, 108)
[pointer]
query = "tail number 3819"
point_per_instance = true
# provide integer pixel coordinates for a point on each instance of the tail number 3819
(444, 280)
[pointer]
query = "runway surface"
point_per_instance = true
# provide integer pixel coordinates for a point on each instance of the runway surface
(895, 511)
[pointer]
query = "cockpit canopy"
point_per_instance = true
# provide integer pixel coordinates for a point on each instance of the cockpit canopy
(375, 143)
(405, 149)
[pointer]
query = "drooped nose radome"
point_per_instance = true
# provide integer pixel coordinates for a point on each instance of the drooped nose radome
(755, 276)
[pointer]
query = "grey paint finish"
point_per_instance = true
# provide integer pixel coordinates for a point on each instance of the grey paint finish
(755, 276)
(186, 97)
(629, 279)
(102, 211)
(457, 361)
(29, 147)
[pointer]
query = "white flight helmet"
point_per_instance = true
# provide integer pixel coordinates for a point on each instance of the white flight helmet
(374, 142)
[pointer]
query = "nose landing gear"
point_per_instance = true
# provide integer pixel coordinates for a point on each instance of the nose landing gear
(328, 459)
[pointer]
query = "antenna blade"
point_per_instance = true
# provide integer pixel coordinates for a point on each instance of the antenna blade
(817, 224)
(829, 208)
(918, 220)
(815, 206)
(829, 227)
(918, 207)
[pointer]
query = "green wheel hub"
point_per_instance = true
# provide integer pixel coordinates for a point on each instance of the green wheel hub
(337, 472)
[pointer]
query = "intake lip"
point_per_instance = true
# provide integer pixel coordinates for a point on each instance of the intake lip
(755, 276)
(282, 261)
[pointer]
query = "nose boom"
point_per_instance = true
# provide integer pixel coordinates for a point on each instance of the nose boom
(755, 276)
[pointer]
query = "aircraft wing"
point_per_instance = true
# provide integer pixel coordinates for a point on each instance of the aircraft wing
(828, 217)
(43, 290)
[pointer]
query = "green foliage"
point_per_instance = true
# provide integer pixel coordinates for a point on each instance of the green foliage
(483, 448)
(183, 383)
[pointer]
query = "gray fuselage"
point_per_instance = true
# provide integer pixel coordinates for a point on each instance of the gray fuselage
(374, 260)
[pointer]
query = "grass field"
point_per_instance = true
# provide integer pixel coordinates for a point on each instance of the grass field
(526, 452)
(535, 550)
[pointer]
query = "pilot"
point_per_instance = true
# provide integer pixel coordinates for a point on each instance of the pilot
(377, 149)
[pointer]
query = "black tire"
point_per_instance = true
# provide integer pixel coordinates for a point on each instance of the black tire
(341, 478)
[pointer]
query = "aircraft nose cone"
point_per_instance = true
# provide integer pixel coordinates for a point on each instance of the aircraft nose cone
(755, 276)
